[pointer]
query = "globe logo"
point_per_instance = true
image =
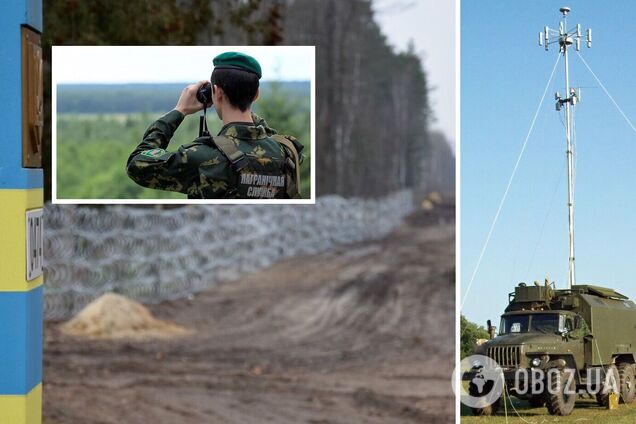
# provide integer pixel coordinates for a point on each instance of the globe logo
(479, 380)
(485, 381)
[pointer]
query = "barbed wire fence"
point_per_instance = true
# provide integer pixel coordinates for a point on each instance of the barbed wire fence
(153, 254)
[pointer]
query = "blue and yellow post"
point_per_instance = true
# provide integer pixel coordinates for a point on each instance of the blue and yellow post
(21, 196)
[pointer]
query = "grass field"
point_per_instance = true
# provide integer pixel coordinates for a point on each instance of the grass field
(92, 150)
(586, 411)
(98, 128)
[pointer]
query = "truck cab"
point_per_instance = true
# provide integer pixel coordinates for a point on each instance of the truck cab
(554, 345)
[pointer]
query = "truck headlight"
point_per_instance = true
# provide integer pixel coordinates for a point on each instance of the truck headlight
(536, 362)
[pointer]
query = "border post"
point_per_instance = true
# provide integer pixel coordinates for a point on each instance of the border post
(21, 207)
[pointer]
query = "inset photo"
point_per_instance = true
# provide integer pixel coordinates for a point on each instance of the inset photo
(183, 124)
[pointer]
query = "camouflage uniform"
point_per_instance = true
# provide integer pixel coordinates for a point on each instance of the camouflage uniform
(201, 170)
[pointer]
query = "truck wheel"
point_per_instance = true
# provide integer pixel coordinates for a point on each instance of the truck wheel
(486, 410)
(562, 401)
(612, 378)
(627, 382)
(537, 401)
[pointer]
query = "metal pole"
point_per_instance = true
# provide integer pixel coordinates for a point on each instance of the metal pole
(565, 41)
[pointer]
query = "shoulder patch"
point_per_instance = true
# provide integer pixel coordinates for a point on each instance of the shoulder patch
(231, 132)
(154, 153)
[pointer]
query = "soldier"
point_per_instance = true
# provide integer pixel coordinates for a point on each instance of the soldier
(246, 160)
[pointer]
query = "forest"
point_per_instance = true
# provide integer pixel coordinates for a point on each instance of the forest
(132, 98)
(373, 113)
(98, 126)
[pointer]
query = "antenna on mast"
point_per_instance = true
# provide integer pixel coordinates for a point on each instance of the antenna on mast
(566, 38)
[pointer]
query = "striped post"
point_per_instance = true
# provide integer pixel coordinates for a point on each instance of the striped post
(21, 191)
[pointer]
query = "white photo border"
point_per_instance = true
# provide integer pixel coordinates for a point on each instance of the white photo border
(56, 200)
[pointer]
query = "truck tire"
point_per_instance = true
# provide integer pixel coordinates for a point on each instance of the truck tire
(627, 382)
(558, 400)
(602, 397)
(536, 401)
(486, 410)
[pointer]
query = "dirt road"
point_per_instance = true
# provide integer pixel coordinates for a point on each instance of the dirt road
(362, 334)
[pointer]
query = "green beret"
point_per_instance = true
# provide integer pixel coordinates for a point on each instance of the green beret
(235, 60)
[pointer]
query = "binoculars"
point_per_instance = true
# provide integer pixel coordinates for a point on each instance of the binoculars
(204, 95)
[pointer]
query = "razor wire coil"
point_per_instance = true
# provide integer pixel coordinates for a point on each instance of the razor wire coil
(152, 254)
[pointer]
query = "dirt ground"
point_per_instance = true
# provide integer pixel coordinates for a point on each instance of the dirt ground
(361, 334)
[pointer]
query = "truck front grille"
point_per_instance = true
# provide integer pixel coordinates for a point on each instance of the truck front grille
(506, 356)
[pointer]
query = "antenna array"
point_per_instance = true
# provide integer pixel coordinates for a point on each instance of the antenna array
(566, 38)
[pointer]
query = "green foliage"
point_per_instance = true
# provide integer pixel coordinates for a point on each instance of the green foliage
(470, 332)
(148, 22)
(92, 149)
(144, 22)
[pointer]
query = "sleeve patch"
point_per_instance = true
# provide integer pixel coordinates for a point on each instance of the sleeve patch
(154, 153)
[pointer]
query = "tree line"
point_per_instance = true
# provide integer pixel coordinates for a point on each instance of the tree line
(135, 98)
(372, 105)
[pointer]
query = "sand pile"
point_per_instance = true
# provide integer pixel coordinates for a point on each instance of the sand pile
(432, 199)
(112, 316)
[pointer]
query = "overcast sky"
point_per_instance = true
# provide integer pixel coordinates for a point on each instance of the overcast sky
(152, 64)
(431, 26)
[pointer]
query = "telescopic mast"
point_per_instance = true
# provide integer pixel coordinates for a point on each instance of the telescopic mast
(565, 39)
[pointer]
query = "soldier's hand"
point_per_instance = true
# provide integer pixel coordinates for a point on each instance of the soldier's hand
(188, 102)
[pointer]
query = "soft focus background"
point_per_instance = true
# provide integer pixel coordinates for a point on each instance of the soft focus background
(342, 311)
(375, 128)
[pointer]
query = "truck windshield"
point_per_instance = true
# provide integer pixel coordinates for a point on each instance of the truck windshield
(545, 323)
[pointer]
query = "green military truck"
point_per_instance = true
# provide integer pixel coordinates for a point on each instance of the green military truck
(584, 337)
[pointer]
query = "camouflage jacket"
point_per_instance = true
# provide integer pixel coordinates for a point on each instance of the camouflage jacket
(201, 170)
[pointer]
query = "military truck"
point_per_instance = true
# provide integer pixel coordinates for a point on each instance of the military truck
(585, 335)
